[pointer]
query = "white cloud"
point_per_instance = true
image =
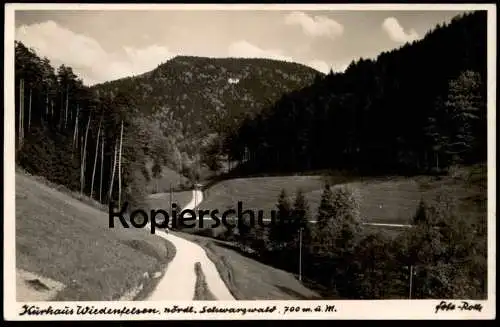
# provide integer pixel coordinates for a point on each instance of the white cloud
(48, 38)
(325, 68)
(142, 60)
(315, 25)
(396, 32)
(319, 65)
(94, 64)
(244, 49)
(86, 56)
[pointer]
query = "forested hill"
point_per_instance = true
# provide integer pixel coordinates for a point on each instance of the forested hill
(196, 97)
(115, 139)
(419, 107)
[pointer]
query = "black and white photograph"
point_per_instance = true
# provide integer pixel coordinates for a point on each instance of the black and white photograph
(292, 157)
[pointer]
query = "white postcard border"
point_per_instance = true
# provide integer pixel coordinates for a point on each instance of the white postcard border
(353, 309)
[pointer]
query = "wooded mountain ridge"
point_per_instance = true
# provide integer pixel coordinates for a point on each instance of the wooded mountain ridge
(412, 109)
(195, 98)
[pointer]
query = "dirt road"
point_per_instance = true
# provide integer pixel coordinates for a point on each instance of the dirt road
(179, 280)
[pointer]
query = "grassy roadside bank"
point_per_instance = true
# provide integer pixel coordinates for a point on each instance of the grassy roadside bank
(248, 279)
(66, 240)
(201, 290)
(151, 280)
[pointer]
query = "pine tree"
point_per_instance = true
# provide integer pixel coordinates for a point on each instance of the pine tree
(452, 126)
(464, 104)
(338, 221)
(156, 170)
(345, 205)
(279, 233)
(325, 210)
(420, 216)
(301, 218)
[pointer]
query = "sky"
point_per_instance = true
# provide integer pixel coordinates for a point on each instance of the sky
(107, 45)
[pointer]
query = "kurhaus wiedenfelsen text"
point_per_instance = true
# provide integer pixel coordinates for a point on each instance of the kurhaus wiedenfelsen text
(160, 218)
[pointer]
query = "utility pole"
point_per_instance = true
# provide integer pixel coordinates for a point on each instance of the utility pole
(300, 254)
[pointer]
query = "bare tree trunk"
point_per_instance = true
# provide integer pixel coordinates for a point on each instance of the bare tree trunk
(81, 147)
(22, 121)
(102, 165)
(61, 112)
(47, 105)
(95, 160)
(120, 169)
(113, 174)
(82, 176)
(75, 133)
(21, 109)
(29, 111)
(66, 109)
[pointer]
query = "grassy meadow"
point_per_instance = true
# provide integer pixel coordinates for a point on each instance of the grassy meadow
(386, 200)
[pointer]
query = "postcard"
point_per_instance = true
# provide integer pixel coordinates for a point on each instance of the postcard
(222, 162)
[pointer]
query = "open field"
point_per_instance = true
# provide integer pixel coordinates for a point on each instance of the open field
(248, 279)
(70, 242)
(162, 200)
(169, 178)
(392, 200)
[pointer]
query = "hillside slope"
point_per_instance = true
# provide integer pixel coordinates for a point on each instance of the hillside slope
(69, 242)
(195, 96)
(416, 108)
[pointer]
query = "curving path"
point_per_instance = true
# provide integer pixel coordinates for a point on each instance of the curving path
(179, 280)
